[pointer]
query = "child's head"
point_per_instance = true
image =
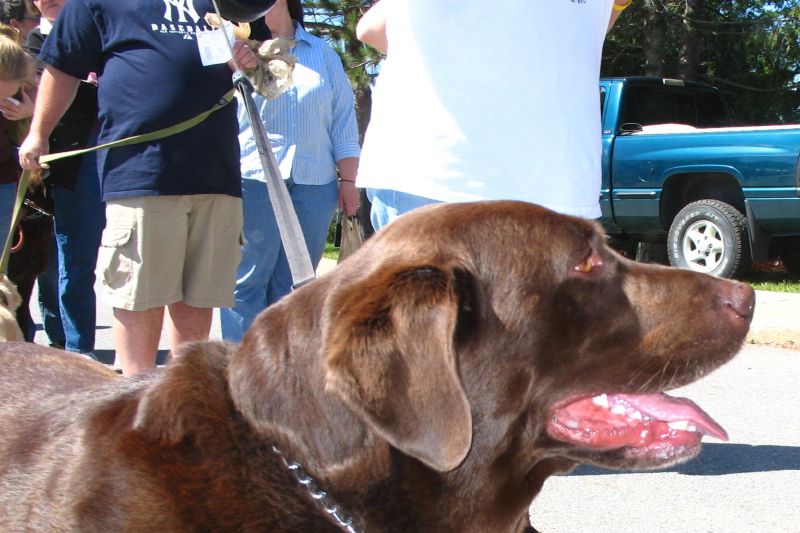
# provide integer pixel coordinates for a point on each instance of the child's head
(22, 15)
(16, 66)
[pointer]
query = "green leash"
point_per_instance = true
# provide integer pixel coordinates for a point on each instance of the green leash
(135, 139)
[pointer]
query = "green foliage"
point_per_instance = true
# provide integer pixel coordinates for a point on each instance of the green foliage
(336, 21)
(750, 49)
(773, 281)
(331, 251)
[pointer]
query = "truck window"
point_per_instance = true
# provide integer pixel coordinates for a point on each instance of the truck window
(602, 101)
(655, 104)
(711, 111)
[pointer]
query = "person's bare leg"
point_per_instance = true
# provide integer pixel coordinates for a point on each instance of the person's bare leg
(186, 323)
(136, 335)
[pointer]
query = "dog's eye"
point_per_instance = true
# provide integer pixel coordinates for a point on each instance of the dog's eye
(585, 267)
(589, 265)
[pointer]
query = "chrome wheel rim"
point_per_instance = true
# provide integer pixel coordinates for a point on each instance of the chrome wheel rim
(703, 246)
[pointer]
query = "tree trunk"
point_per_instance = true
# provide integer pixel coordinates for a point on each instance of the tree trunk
(655, 25)
(363, 111)
(363, 97)
(689, 39)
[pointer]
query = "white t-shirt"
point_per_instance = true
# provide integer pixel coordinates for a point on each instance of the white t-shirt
(490, 100)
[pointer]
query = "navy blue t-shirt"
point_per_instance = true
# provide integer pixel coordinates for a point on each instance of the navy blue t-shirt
(150, 77)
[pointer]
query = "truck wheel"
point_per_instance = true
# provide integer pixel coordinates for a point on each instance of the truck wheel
(709, 236)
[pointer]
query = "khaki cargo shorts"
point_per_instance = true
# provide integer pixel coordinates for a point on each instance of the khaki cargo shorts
(158, 250)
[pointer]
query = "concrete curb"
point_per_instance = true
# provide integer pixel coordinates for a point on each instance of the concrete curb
(777, 320)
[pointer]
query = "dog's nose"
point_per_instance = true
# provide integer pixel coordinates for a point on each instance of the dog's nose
(740, 298)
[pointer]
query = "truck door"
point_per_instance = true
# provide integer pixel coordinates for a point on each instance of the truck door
(606, 207)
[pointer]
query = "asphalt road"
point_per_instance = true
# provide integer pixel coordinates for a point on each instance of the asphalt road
(748, 485)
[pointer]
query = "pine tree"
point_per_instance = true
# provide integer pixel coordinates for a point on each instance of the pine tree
(750, 49)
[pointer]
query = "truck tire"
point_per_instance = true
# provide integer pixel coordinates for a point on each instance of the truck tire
(709, 236)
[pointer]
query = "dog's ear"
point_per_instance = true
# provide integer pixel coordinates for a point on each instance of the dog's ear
(188, 396)
(390, 356)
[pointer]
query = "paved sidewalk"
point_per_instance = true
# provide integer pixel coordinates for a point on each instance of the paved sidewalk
(776, 321)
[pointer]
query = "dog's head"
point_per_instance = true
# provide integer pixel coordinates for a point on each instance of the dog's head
(487, 337)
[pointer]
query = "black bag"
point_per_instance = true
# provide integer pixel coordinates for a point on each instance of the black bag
(75, 127)
(72, 133)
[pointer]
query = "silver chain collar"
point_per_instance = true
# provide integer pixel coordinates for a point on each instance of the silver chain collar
(325, 501)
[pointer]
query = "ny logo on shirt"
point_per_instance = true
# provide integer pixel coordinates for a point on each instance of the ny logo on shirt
(184, 7)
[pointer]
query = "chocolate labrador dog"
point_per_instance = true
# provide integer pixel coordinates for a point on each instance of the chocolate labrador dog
(432, 382)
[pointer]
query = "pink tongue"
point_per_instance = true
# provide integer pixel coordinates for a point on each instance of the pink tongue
(637, 420)
(670, 409)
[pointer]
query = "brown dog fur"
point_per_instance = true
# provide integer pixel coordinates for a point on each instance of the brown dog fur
(413, 383)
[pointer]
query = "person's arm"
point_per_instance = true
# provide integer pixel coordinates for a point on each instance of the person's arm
(348, 194)
(343, 131)
(371, 29)
(56, 92)
(619, 7)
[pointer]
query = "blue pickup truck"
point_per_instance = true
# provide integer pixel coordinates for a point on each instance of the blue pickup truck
(680, 180)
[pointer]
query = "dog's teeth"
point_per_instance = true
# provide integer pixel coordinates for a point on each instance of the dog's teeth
(601, 400)
(619, 410)
(682, 425)
(571, 423)
(636, 415)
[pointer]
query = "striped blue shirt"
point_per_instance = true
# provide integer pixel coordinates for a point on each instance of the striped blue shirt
(312, 125)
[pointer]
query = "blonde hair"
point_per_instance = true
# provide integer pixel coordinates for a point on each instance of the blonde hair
(15, 64)
(10, 32)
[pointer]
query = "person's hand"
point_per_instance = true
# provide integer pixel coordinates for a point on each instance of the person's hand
(244, 55)
(349, 197)
(32, 147)
(17, 111)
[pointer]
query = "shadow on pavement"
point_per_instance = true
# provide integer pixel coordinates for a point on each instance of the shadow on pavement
(721, 459)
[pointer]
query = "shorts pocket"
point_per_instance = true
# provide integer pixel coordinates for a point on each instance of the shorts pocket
(116, 247)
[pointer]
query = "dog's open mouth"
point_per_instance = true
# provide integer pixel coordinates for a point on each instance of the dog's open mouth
(656, 425)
